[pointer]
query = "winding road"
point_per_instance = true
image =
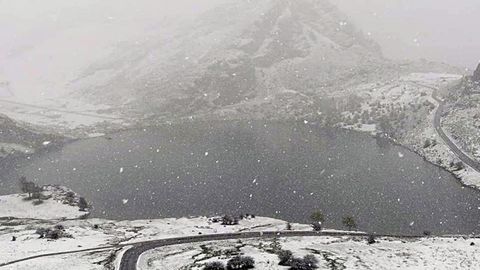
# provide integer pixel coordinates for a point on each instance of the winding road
(130, 257)
(438, 128)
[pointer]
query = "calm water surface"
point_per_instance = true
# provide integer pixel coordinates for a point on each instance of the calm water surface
(278, 169)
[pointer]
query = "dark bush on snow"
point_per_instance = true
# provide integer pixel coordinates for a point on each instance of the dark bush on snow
(52, 233)
(427, 233)
(214, 266)
(240, 263)
(371, 239)
(309, 262)
(229, 220)
(317, 226)
(286, 257)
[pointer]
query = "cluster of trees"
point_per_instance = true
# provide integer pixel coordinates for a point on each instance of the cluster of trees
(33, 190)
(229, 220)
(318, 218)
(235, 263)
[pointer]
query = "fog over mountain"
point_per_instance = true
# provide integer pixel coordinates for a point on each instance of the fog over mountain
(158, 58)
(232, 53)
(443, 30)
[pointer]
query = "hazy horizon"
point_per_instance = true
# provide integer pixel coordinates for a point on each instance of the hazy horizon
(435, 30)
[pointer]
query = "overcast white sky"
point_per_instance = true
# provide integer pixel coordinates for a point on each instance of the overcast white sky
(442, 30)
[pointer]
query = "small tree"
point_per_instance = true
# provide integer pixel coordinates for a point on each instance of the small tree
(349, 223)
(371, 239)
(214, 266)
(289, 226)
(82, 204)
(37, 194)
(317, 216)
(27, 186)
(240, 263)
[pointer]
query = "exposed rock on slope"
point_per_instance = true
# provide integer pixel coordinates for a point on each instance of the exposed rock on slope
(239, 52)
(476, 74)
(130, 58)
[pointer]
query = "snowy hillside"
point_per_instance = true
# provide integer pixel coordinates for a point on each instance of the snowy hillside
(134, 53)
(233, 53)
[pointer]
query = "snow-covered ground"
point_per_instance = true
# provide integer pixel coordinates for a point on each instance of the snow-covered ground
(19, 239)
(94, 233)
(97, 233)
(55, 206)
(331, 252)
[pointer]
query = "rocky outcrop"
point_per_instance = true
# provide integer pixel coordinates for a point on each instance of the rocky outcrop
(476, 74)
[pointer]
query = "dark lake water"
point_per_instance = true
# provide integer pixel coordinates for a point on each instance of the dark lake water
(277, 169)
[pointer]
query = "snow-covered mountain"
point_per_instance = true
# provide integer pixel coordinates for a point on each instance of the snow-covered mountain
(236, 52)
(82, 62)
(231, 53)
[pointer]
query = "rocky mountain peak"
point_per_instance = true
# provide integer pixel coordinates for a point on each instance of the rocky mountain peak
(251, 51)
(476, 74)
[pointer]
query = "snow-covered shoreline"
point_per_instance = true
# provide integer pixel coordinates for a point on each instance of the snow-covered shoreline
(414, 137)
(57, 203)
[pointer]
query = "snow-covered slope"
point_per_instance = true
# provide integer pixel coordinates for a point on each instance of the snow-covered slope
(209, 57)
(238, 51)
